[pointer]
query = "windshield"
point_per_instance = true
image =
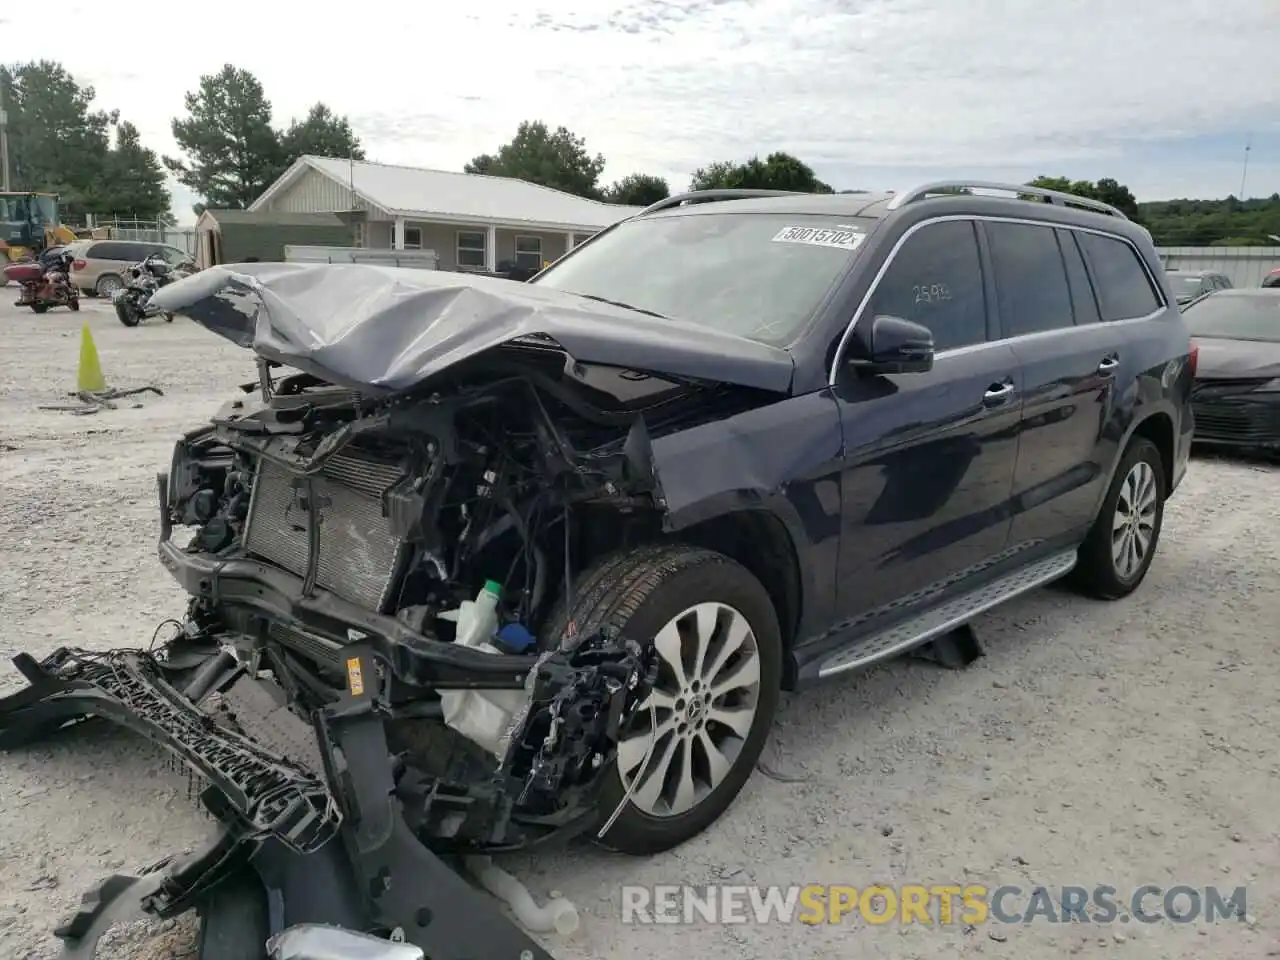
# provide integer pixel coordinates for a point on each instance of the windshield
(44, 209)
(1239, 317)
(1185, 286)
(20, 208)
(756, 275)
(13, 209)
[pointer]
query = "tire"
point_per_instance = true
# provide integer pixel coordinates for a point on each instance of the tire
(126, 314)
(74, 304)
(1099, 572)
(39, 308)
(168, 318)
(641, 594)
(106, 284)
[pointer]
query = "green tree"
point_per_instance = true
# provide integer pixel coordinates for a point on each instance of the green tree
(638, 190)
(1106, 190)
(321, 134)
(57, 142)
(778, 171)
(133, 181)
(232, 152)
(1202, 223)
(556, 159)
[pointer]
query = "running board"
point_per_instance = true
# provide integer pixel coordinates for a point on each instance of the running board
(946, 617)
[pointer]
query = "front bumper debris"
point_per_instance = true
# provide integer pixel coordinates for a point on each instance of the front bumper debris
(328, 848)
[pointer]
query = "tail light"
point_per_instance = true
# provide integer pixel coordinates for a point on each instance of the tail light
(1193, 357)
(78, 264)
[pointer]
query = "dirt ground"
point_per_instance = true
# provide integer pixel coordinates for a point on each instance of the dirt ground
(1122, 744)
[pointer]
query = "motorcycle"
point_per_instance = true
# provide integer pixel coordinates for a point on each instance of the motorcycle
(132, 301)
(45, 281)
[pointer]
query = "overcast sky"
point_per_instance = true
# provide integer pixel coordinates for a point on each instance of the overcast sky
(874, 94)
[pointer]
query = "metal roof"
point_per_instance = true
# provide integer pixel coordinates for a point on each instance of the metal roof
(447, 196)
(283, 218)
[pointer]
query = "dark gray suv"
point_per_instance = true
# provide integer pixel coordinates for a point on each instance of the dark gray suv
(728, 446)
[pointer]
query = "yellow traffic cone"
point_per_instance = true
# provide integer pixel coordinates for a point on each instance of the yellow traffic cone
(89, 377)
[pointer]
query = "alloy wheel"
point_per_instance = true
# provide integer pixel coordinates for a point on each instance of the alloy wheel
(107, 286)
(1134, 525)
(695, 721)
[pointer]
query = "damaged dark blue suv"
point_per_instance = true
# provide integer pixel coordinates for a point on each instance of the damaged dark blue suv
(536, 559)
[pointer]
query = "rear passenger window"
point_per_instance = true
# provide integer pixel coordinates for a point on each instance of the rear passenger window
(1030, 278)
(1083, 301)
(1124, 290)
(936, 280)
(105, 251)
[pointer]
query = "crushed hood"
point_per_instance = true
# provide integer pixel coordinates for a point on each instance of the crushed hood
(387, 329)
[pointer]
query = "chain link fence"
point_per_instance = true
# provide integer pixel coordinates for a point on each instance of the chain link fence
(147, 231)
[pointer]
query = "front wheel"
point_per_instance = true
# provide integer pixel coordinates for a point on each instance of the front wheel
(74, 304)
(691, 746)
(126, 314)
(168, 318)
(1118, 551)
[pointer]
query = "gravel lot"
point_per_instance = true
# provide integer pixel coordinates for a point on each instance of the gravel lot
(1120, 744)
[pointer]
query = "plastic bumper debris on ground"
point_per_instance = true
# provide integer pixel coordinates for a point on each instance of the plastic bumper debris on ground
(321, 856)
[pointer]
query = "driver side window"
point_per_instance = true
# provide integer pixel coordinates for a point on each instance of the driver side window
(936, 280)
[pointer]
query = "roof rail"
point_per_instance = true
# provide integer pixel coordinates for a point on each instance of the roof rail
(703, 196)
(1020, 191)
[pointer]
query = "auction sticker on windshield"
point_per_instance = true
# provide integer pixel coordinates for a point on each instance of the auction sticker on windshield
(821, 237)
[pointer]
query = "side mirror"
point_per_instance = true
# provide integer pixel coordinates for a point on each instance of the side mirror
(892, 345)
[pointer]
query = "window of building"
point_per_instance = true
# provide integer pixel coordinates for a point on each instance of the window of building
(1030, 278)
(1124, 290)
(936, 280)
(471, 250)
(529, 253)
(413, 238)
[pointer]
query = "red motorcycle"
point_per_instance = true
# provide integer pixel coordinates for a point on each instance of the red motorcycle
(46, 281)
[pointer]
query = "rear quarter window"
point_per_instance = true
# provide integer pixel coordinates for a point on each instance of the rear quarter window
(1123, 287)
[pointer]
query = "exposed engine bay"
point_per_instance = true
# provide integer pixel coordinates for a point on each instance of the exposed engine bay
(328, 520)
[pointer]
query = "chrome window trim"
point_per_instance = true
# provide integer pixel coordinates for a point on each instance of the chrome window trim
(986, 218)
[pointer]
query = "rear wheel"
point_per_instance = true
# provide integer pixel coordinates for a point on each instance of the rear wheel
(692, 745)
(39, 308)
(1118, 551)
(107, 285)
(74, 304)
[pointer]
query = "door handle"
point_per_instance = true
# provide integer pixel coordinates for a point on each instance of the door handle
(1109, 364)
(997, 393)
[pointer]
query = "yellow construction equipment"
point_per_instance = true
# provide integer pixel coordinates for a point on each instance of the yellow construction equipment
(29, 223)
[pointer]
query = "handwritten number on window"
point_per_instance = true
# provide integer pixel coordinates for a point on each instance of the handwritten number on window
(931, 293)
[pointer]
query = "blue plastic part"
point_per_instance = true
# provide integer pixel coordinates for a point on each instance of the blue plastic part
(514, 638)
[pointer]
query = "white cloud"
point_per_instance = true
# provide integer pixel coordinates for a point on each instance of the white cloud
(1079, 87)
